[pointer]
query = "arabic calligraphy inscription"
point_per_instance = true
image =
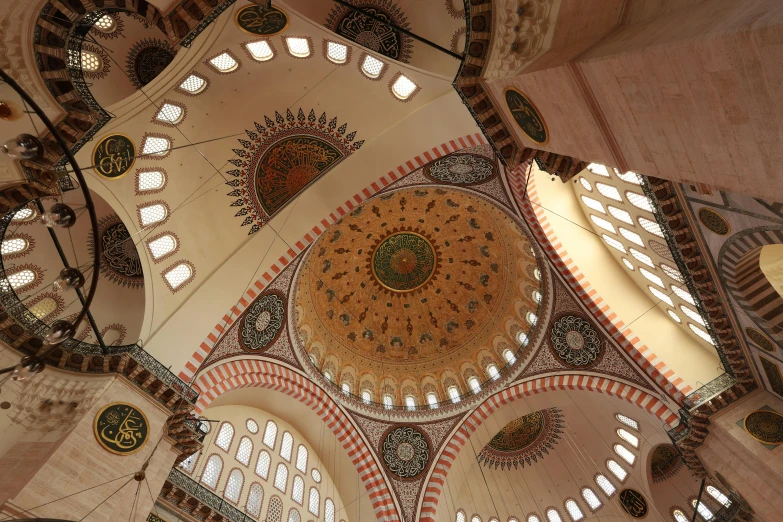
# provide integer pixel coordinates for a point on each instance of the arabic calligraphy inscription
(114, 156)
(254, 20)
(633, 503)
(121, 428)
(526, 115)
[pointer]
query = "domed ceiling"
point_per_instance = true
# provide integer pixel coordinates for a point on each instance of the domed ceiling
(413, 283)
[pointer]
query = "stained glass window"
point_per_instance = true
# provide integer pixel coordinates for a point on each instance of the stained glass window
(492, 370)
(432, 400)
(254, 499)
(281, 477)
(591, 498)
(410, 402)
(24, 214)
(91, 62)
(605, 484)
(574, 511)
(211, 473)
(234, 486)
(244, 450)
(225, 436)
(21, 278)
(156, 146)
(624, 453)
(262, 465)
(346, 387)
(105, 24)
(453, 394)
(703, 510)
(270, 434)
(43, 308)
(314, 503)
(531, 318)
(150, 180)
(388, 401)
(162, 246)
(287, 447)
(508, 355)
(679, 516)
(366, 396)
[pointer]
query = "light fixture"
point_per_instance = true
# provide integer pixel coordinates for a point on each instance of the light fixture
(60, 215)
(24, 146)
(60, 331)
(9, 111)
(27, 366)
(70, 278)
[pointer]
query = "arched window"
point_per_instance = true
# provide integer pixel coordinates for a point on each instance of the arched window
(674, 316)
(189, 463)
(605, 484)
(297, 490)
(170, 114)
(633, 440)
(298, 47)
(522, 338)
(212, 470)
(591, 498)
(704, 511)
(13, 246)
(314, 503)
(91, 62)
(287, 447)
(473, 382)
(294, 516)
(537, 274)
(155, 146)
(193, 84)
(328, 375)
(270, 434)
(224, 63)
(403, 87)
(475, 518)
(629, 177)
(178, 275)
(410, 402)
(660, 295)
(25, 214)
(574, 511)
(225, 436)
(260, 50)
(493, 372)
(44, 308)
(531, 318)
(625, 453)
(533, 518)
(281, 477)
(244, 450)
(508, 355)
(346, 386)
(161, 246)
(388, 401)
(105, 24)
(150, 180)
(22, 279)
(252, 426)
(553, 516)
(254, 500)
(151, 214)
(366, 396)
(454, 394)
(460, 517)
(301, 459)
(617, 470)
(274, 513)
(679, 516)
(432, 400)
(717, 495)
(262, 465)
(336, 52)
(329, 510)
(684, 295)
(372, 67)
(537, 296)
(234, 486)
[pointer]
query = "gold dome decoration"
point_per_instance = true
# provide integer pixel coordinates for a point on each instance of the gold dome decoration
(414, 283)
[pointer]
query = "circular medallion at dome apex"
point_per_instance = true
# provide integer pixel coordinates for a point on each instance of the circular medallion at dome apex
(403, 261)
(263, 322)
(575, 341)
(405, 452)
(481, 264)
(461, 169)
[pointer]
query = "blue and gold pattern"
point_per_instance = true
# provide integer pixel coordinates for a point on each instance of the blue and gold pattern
(121, 428)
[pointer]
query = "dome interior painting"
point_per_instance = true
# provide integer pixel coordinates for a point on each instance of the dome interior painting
(394, 260)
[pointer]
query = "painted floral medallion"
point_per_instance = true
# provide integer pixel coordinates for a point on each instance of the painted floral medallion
(575, 341)
(461, 169)
(523, 440)
(263, 322)
(413, 282)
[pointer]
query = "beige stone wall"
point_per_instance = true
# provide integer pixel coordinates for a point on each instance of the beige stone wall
(755, 471)
(79, 463)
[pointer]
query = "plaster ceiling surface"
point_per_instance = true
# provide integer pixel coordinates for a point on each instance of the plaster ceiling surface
(412, 283)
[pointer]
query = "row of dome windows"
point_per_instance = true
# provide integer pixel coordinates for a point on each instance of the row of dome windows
(643, 203)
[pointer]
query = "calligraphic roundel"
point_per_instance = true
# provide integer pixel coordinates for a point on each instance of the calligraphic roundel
(121, 428)
(114, 156)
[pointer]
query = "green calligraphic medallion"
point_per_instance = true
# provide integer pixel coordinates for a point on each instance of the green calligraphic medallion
(254, 20)
(526, 115)
(114, 156)
(121, 428)
(765, 426)
(633, 503)
(403, 261)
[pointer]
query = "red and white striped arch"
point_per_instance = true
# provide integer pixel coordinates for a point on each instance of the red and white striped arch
(198, 357)
(257, 373)
(448, 455)
(535, 216)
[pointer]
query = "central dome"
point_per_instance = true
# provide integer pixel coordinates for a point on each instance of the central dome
(413, 284)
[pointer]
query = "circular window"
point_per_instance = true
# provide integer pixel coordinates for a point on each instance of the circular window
(316, 475)
(105, 24)
(252, 426)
